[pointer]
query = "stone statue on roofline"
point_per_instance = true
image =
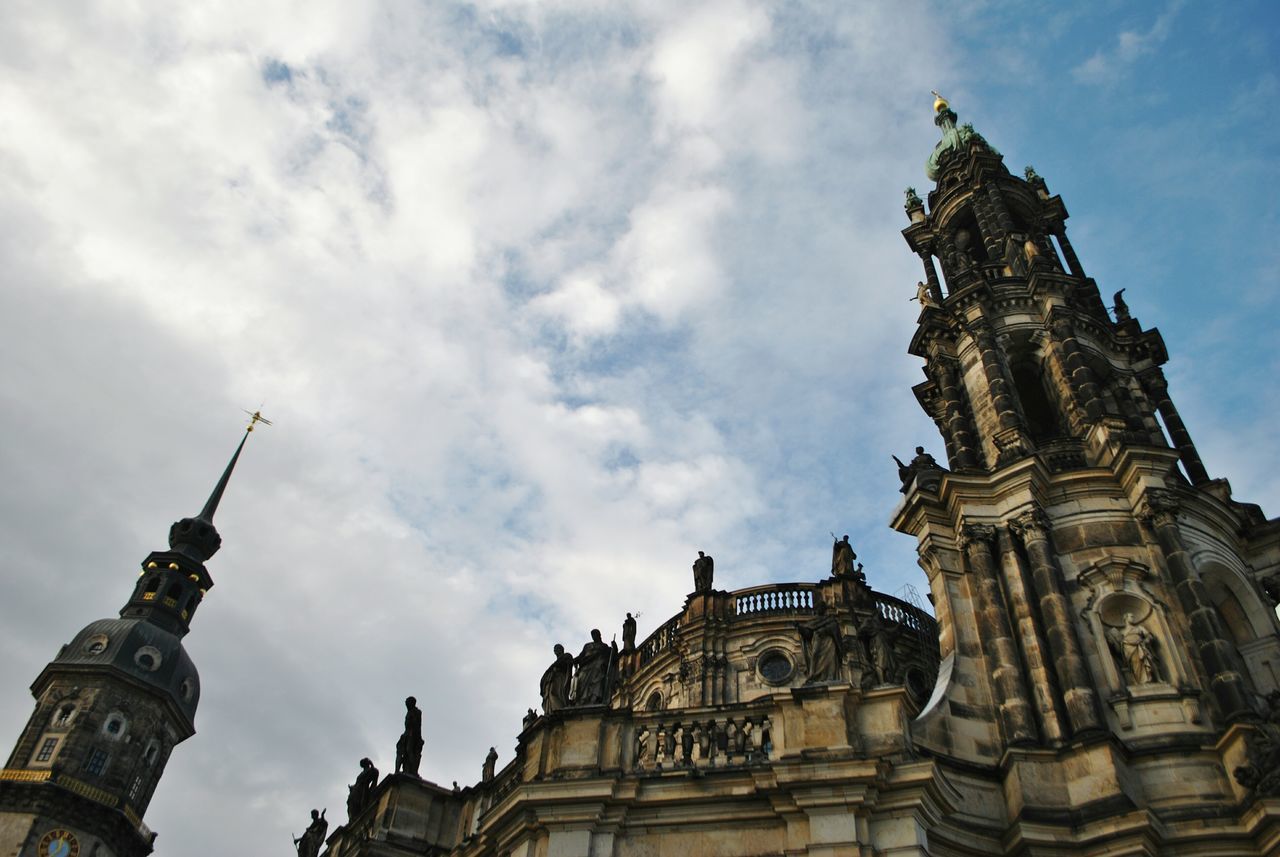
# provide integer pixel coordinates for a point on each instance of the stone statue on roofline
(312, 839)
(703, 572)
(556, 681)
(409, 747)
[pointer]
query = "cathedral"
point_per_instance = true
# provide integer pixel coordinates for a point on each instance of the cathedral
(1099, 673)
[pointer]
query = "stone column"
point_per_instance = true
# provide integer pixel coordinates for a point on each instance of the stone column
(993, 626)
(957, 430)
(1079, 698)
(1153, 381)
(1011, 438)
(1001, 212)
(931, 277)
(1012, 571)
(1073, 261)
(1217, 653)
(1084, 387)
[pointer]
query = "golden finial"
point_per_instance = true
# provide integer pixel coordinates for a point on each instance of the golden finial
(939, 103)
(256, 417)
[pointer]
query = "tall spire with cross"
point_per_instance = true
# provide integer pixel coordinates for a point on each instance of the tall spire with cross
(112, 705)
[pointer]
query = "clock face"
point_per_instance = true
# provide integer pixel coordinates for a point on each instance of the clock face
(59, 843)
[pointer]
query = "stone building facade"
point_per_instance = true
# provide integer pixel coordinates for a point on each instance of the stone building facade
(1101, 677)
(110, 708)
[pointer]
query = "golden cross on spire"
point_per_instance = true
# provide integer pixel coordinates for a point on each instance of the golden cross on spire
(256, 417)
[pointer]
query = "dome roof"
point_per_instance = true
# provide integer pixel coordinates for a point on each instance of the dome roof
(144, 651)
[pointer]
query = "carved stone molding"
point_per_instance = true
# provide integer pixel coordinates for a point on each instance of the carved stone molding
(1159, 508)
(1031, 524)
(975, 535)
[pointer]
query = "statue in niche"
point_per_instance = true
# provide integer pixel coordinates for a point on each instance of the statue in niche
(360, 793)
(823, 645)
(641, 745)
(308, 844)
(556, 681)
(963, 243)
(409, 747)
(843, 561)
(879, 639)
(1135, 648)
(593, 663)
(629, 633)
(703, 571)
(490, 762)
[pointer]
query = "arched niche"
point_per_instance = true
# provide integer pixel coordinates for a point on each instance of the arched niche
(1118, 590)
(1243, 612)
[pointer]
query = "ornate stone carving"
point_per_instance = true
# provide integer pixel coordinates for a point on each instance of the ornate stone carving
(823, 645)
(974, 535)
(1159, 508)
(1261, 772)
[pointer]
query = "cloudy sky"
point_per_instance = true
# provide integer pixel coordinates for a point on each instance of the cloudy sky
(543, 298)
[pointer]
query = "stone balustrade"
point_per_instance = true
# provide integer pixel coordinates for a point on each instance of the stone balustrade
(777, 598)
(713, 741)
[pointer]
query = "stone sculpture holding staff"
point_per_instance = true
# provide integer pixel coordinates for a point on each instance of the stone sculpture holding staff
(308, 844)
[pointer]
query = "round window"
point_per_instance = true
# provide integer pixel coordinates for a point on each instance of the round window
(775, 667)
(187, 688)
(96, 645)
(148, 657)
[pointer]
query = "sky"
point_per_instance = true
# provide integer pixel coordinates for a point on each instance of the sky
(542, 298)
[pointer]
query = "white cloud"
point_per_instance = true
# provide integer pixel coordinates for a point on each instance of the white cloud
(1106, 65)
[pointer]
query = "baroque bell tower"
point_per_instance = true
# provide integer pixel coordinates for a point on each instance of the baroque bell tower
(110, 708)
(1108, 644)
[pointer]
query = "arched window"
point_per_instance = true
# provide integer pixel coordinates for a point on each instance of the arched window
(1043, 419)
(64, 715)
(655, 702)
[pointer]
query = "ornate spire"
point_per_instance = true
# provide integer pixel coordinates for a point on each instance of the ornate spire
(954, 139)
(196, 537)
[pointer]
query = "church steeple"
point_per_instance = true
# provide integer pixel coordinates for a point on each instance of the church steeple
(1075, 500)
(1021, 354)
(111, 706)
(174, 582)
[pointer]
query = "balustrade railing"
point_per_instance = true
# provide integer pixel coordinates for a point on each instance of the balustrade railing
(660, 640)
(710, 742)
(773, 599)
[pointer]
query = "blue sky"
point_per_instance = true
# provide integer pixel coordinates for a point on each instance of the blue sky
(543, 299)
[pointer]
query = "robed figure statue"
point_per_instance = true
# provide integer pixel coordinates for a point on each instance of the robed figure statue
(556, 681)
(704, 568)
(823, 645)
(842, 558)
(594, 663)
(309, 843)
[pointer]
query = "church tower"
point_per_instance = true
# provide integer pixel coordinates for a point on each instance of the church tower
(1107, 642)
(110, 708)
